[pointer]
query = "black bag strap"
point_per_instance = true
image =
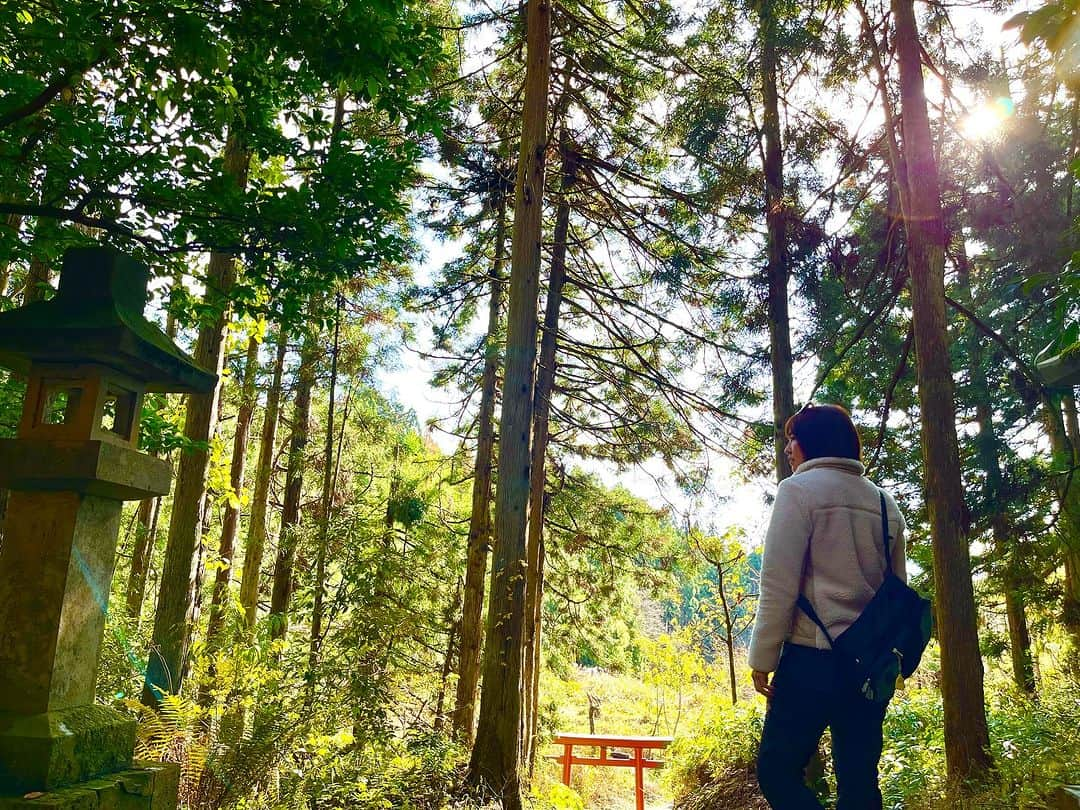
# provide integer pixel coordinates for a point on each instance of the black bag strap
(808, 609)
(804, 604)
(885, 537)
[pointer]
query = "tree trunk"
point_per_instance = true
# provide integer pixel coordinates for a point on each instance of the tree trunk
(37, 281)
(533, 684)
(1004, 538)
(1071, 612)
(472, 626)
(231, 520)
(729, 631)
(496, 754)
(264, 472)
(282, 591)
(454, 625)
(317, 609)
(36, 284)
(966, 736)
(145, 534)
(987, 451)
(776, 223)
(1074, 145)
(545, 384)
(1023, 662)
(177, 598)
(1065, 454)
(171, 324)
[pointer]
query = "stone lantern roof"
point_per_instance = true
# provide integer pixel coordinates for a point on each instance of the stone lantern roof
(1062, 370)
(97, 318)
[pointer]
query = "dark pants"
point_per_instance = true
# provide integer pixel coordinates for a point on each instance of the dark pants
(809, 697)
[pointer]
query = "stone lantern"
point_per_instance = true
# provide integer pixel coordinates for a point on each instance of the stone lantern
(89, 356)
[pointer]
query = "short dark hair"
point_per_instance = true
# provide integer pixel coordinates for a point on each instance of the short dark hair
(824, 430)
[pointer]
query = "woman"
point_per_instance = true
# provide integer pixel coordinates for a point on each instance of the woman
(824, 541)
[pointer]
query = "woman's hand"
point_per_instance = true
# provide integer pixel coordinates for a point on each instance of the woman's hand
(761, 683)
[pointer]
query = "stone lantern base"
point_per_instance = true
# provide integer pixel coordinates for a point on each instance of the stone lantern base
(41, 752)
(145, 786)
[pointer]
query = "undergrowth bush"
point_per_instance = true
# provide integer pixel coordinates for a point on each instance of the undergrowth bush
(415, 773)
(712, 763)
(725, 740)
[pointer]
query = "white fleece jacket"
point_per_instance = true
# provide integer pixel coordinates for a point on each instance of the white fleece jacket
(824, 539)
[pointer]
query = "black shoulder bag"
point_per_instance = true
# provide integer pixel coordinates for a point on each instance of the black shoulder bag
(888, 637)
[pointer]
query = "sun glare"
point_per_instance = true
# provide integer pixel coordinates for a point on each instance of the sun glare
(985, 122)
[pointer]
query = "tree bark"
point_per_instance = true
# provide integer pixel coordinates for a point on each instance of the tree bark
(281, 593)
(177, 598)
(966, 735)
(479, 543)
(317, 610)
(264, 472)
(496, 754)
(37, 281)
(145, 535)
(545, 384)
(777, 269)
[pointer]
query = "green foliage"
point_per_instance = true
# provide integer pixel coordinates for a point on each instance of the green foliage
(160, 426)
(12, 392)
(137, 103)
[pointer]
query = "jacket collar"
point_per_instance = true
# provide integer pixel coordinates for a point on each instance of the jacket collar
(848, 465)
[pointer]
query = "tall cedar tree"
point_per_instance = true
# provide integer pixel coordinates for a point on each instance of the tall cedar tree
(494, 764)
(966, 736)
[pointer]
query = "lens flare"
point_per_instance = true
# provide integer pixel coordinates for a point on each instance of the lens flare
(985, 122)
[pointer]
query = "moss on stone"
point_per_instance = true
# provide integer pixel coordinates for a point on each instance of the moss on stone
(47, 751)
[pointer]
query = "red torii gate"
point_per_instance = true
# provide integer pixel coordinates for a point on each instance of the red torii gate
(638, 760)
